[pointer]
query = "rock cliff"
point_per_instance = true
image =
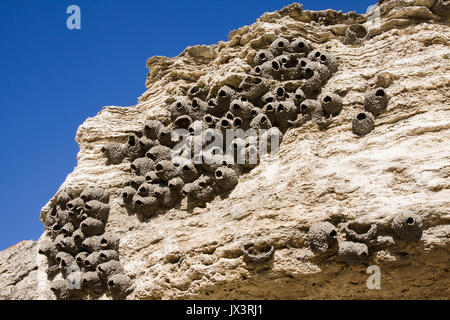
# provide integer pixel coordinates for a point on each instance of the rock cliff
(361, 185)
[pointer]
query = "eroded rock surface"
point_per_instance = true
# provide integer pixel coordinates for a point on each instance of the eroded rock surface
(325, 173)
(19, 271)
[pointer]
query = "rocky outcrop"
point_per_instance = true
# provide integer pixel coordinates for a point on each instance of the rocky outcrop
(19, 271)
(309, 223)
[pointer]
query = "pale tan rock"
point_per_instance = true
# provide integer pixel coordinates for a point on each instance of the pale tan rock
(321, 175)
(19, 271)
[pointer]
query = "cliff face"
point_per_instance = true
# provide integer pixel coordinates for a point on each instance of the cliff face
(19, 271)
(322, 174)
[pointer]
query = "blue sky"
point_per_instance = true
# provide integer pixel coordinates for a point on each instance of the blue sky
(53, 78)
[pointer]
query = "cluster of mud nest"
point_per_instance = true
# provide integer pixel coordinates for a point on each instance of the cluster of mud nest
(358, 237)
(83, 259)
(183, 159)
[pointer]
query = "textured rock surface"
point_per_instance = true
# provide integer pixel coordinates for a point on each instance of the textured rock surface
(322, 175)
(19, 271)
